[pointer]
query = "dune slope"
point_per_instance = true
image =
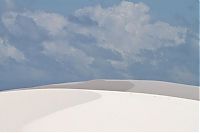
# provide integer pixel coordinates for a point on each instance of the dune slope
(130, 105)
(122, 111)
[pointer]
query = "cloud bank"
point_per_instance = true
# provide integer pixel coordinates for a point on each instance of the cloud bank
(121, 41)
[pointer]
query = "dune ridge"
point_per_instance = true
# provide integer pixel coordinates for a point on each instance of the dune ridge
(137, 86)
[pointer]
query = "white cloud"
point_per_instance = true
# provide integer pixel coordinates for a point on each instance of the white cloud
(52, 22)
(63, 52)
(8, 20)
(128, 29)
(8, 51)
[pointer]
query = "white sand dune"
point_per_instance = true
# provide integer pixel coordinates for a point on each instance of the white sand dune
(18, 108)
(139, 86)
(86, 106)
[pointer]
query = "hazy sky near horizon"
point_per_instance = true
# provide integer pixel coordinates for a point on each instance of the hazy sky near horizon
(54, 41)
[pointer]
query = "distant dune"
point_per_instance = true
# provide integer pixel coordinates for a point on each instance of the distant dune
(139, 86)
(101, 105)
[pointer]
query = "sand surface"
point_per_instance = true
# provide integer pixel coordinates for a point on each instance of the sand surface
(18, 108)
(130, 105)
(139, 86)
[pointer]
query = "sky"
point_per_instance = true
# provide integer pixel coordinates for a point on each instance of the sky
(55, 41)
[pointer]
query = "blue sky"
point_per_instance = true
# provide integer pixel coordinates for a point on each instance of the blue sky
(54, 41)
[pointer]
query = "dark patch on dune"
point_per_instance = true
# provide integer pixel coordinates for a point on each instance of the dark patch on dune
(96, 85)
(137, 86)
(166, 89)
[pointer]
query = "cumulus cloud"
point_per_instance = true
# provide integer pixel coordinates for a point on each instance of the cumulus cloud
(22, 27)
(52, 22)
(128, 28)
(94, 42)
(63, 52)
(125, 28)
(8, 51)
